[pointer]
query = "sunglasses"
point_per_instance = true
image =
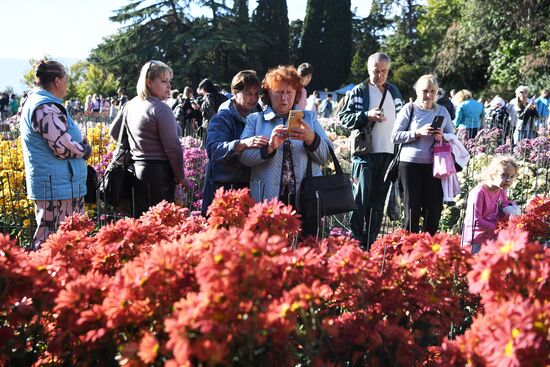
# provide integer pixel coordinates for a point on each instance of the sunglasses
(151, 63)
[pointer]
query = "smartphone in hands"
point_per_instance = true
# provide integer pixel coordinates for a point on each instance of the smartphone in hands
(295, 119)
(437, 122)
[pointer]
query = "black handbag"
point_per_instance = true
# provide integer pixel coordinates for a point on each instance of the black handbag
(91, 185)
(326, 195)
(393, 169)
(116, 187)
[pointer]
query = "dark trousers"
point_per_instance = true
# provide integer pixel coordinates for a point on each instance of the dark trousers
(423, 196)
(154, 181)
(369, 190)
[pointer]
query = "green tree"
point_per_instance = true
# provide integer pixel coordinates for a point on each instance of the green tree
(367, 36)
(295, 39)
(75, 76)
(214, 46)
(402, 44)
(271, 19)
(240, 11)
(96, 81)
(496, 44)
(327, 41)
(152, 30)
(437, 17)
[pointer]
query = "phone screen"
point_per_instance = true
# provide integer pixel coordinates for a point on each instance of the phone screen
(295, 119)
(437, 122)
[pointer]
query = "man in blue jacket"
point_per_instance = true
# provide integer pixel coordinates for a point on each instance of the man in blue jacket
(370, 111)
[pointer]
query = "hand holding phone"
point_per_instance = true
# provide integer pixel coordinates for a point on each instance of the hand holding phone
(295, 119)
(437, 122)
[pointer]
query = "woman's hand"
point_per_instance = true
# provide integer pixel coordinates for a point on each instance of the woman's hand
(437, 134)
(257, 141)
(278, 137)
(425, 130)
(304, 133)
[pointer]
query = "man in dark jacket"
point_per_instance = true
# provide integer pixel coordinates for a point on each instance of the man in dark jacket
(370, 111)
(443, 100)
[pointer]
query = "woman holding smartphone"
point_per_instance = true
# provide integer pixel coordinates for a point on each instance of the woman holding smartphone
(277, 169)
(418, 126)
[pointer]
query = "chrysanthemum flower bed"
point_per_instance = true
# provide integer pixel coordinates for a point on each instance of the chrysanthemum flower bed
(172, 289)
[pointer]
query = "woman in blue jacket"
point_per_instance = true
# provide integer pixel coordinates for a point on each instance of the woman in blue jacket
(469, 114)
(277, 169)
(223, 143)
(54, 152)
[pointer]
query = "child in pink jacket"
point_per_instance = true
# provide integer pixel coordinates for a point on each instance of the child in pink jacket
(487, 202)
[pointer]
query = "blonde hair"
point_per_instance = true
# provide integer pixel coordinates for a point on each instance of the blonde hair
(459, 97)
(431, 79)
(498, 164)
(467, 94)
(151, 70)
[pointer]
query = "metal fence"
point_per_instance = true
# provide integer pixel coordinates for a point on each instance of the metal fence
(17, 213)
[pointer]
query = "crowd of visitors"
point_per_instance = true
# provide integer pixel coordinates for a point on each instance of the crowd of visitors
(250, 144)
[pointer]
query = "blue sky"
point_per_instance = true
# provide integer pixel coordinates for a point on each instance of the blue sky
(74, 27)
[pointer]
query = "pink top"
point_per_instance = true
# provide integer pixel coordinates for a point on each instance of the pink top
(482, 213)
(303, 99)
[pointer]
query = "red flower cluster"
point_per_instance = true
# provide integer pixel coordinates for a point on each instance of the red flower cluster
(173, 289)
(512, 277)
(229, 208)
(535, 220)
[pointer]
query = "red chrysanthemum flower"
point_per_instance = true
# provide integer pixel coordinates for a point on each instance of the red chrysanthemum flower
(229, 208)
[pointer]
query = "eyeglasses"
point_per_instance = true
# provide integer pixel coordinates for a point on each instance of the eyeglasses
(281, 93)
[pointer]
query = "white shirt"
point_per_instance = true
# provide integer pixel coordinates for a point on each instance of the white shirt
(381, 132)
(310, 103)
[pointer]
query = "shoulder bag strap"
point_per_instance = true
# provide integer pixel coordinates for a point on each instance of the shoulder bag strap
(337, 167)
(383, 96)
(123, 133)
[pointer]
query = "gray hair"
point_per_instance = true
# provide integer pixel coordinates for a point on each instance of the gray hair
(378, 57)
(151, 70)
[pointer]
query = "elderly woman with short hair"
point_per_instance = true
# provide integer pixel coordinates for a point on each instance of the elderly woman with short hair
(526, 113)
(277, 169)
(223, 143)
(423, 192)
(153, 136)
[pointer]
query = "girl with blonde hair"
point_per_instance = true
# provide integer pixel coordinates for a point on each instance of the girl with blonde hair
(487, 203)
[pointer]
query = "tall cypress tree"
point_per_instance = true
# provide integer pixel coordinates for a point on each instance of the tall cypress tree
(311, 36)
(271, 19)
(327, 41)
(295, 39)
(240, 11)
